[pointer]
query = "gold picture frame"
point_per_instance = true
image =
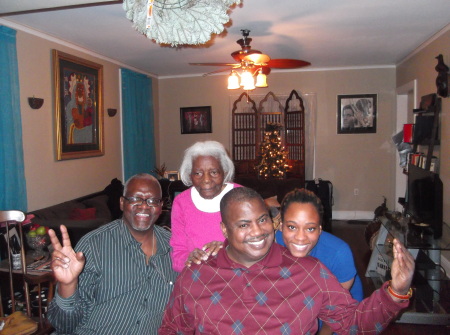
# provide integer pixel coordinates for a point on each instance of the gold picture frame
(78, 95)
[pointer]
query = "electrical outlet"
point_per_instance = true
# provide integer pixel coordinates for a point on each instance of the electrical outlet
(356, 191)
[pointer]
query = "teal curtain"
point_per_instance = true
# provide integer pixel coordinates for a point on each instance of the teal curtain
(137, 124)
(13, 190)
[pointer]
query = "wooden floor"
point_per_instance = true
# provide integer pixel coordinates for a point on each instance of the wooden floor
(353, 234)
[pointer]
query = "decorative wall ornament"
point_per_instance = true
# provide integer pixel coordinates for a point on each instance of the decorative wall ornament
(442, 79)
(35, 103)
(178, 22)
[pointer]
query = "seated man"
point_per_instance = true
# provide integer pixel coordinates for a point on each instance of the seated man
(254, 286)
(121, 277)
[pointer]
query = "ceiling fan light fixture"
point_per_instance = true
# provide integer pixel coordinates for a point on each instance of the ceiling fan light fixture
(261, 79)
(233, 81)
(247, 81)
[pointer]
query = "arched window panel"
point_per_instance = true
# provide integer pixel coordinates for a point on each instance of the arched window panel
(249, 124)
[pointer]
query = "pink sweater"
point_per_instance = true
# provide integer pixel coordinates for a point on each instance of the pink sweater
(191, 228)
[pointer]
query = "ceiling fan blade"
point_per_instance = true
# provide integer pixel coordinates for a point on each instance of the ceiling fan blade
(216, 64)
(217, 71)
(285, 63)
(258, 59)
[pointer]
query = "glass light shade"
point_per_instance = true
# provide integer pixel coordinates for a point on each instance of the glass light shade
(233, 81)
(247, 81)
(261, 80)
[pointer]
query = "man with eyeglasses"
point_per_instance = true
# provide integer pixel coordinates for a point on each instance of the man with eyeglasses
(120, 277)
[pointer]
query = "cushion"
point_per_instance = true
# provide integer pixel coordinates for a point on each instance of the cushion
(59, 211)
(83, 213)
(100, 202)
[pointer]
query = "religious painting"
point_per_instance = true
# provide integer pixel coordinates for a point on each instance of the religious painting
(195, 120)
(357, 114)
(79, 106)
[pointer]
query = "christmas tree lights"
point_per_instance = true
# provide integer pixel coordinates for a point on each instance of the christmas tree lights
(273, 156)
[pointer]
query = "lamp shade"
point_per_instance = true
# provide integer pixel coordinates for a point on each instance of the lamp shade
(247, 81)
(261, 80)
(233, 81)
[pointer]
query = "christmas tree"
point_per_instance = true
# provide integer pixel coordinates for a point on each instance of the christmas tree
(272, 159)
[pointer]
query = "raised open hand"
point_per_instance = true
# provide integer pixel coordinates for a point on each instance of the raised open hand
(66, 263)
(402, 269)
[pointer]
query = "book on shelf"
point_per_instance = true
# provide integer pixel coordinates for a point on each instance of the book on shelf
(434, 165)
(420, 159)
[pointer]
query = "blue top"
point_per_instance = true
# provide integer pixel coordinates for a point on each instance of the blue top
(337, 257)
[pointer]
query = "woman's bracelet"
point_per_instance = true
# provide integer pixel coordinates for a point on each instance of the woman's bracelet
(407, 296)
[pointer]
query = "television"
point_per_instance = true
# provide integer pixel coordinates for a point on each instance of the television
(425, 198)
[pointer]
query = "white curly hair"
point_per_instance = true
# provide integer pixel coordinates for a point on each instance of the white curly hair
(206, 148)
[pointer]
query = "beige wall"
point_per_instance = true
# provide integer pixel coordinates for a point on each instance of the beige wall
(363, 161)
(50, 181)
(421, 67)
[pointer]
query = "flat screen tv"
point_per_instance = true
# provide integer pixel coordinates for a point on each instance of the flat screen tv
(425, 198)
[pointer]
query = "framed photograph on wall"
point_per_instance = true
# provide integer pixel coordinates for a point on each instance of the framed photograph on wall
(172, 175)
(195, 120)
(357, 114)
(79, 106)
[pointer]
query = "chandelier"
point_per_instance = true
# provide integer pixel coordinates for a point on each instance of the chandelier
(179, 22)
(245, 78)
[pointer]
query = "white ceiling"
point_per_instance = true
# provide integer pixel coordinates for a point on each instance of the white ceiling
(327, 33)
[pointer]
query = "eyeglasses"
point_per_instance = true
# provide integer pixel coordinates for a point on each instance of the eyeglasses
(136, 201)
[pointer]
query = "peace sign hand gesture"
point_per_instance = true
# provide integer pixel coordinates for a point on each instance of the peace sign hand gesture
(66, 263)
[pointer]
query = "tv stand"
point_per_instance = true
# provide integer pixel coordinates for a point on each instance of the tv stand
(430, 302)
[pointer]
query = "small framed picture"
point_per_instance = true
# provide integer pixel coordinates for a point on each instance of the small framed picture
(195, 120)
(172, 175)
(357, 114)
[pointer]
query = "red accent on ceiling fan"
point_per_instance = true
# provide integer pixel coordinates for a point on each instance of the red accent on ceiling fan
(287, 63)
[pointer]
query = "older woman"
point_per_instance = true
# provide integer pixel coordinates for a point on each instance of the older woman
(196, 212)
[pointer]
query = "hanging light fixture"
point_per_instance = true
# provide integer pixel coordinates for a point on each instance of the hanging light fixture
(233, 81)
(246, 80)
(261, 79)
(179, 22)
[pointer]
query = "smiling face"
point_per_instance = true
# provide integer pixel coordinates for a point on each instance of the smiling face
(207, 176)
(249, 230)
(140, 218)
(301, 228)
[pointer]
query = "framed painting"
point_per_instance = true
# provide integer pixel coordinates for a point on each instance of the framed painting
(78, 95)
(357, 114)
(195, 120)
(172, 175)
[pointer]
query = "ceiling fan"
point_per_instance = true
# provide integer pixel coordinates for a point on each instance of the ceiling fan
(250, 62)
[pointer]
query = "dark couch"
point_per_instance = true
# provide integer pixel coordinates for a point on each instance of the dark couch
(84, 214)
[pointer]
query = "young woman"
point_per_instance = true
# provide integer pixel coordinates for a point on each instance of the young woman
(301, 232)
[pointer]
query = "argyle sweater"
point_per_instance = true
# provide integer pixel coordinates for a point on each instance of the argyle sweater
(280, 294)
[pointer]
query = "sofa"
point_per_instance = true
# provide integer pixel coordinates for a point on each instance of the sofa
(84, 214)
